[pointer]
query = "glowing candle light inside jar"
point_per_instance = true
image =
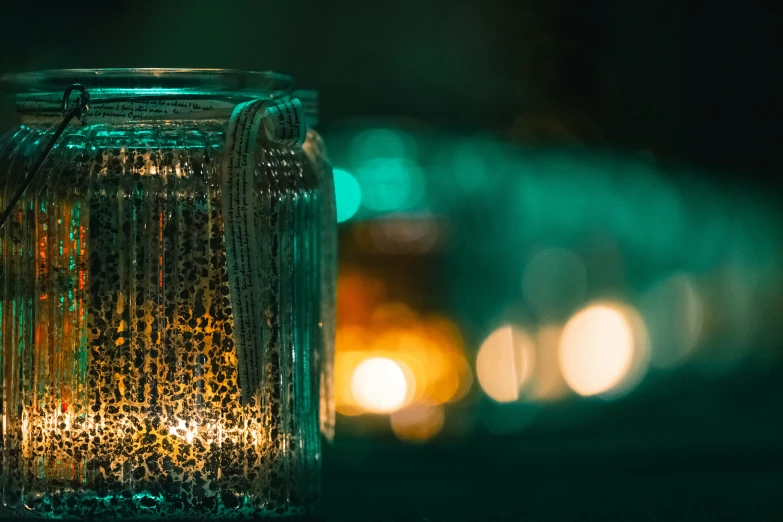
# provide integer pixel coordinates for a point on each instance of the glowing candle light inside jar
(139, 379)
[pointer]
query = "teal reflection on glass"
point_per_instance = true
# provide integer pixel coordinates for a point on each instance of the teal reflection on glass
(348, 194)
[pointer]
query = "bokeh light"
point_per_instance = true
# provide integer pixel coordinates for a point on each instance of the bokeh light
(429, 350)
(387, 170)
(554, 282)
(691, 259)
(640, 361)
(471, 164)
(405, 233)
(379, 385)
(348, 194)
(371, 144)
(436, 365)
(673, 310)
(345, 363)
(504, 363)
(352, 343)
(418, 423)
(390, 184)
(649, 213)
(358, 295)
(548, 383)
(603, 350)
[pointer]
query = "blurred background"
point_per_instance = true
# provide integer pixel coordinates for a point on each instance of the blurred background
(561, 273)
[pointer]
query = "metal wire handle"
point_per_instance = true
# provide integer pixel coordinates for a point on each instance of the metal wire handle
(81, 107)
(78, 111)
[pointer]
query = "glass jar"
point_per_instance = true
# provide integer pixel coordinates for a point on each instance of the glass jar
(131, 384)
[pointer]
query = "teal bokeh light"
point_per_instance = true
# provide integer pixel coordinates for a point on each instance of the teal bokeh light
(371, 144)
(348, 194)
(387, 169)
(390, 184)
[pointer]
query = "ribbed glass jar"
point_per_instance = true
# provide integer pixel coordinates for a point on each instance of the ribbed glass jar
(119, 370)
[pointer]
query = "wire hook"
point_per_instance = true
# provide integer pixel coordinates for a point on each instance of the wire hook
(81, 101)
(77, 112)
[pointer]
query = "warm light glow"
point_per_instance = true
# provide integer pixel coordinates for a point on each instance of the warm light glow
(211, 433)
(418, 423)
(641, 352)
(464, 376)
(379, 385)
(429, 349)
(548, 384)
(505, 363)
(184, 431)
(358, 294)
(345, 362)
(402, 234)
(603, 349)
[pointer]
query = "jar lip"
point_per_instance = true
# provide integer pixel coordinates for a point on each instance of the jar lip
(188, 80)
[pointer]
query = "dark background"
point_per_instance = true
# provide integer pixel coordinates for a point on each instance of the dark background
(690, 83)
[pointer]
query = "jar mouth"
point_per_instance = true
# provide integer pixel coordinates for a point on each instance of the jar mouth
(150, 94)
(204, 81)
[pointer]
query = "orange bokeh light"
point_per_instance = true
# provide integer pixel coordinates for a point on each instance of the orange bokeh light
(428, 349)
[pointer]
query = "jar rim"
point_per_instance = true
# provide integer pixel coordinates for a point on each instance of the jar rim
(188, 80)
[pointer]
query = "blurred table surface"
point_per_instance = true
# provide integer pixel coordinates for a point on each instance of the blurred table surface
(689, 449)
(495, 482)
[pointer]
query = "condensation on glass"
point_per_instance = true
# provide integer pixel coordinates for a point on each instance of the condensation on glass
(119, 372)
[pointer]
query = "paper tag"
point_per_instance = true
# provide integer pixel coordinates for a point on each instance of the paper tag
(37, 108)
(284, 123)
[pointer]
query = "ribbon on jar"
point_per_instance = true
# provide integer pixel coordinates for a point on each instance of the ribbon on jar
(43, 108)
(284, 124)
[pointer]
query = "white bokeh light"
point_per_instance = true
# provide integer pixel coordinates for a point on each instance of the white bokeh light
(505, 363)
(597, 349)
(379, 385)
